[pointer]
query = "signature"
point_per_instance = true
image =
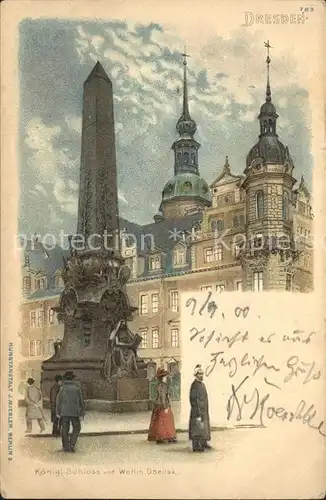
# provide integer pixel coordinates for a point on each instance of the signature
(237, 403)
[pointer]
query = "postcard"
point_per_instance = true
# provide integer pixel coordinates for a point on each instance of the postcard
(163, 249)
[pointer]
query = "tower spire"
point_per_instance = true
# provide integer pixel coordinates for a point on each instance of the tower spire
(268, 61)
(185, 109)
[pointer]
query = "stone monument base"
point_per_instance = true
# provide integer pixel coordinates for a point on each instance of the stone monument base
(118, 395)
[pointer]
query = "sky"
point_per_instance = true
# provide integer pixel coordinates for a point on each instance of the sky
(226, 87)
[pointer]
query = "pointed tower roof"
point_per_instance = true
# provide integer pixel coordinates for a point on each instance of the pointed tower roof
(186, 126)
(268, 148)
(98, 72)
(268, 108)
(226, 175)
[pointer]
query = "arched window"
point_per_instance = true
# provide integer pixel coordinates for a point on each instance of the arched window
(193, 158)
(270, 125)
(178, 158)
(265, 126)
(285, 206)
(259, 204)
(186, 157)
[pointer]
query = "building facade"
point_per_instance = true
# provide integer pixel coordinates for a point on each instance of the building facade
(248, 232)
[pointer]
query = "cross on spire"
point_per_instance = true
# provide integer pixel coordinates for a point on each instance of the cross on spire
(185, 55)
(268, 60)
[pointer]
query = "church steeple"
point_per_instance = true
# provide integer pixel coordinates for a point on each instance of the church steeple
(268, 115)
(186, 147)
(186, 191)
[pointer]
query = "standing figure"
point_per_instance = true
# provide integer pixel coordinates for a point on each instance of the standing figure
(34, 402)
(162, 427)
(53, 402)
(70, 408)
(199, 426)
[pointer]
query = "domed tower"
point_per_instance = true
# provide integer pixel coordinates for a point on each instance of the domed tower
(268, 256)
(186, 191)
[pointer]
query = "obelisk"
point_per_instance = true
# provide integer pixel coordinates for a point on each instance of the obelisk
(94, 307)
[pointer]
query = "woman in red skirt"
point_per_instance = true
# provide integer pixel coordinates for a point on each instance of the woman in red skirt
(162, 427)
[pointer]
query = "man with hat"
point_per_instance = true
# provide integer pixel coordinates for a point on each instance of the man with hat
(70, 408)
(53, 401)
(199, 425)
(162, 427)
(34, 401)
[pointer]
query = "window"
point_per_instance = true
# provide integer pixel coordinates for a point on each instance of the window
(175, 301)
(50, 347)
(217, 225)
(154, 303)
(143, 304)
(154, 263)
(218, 252)
(50, 316)
(87, 332)
(258, 241)
(258, 281)
(35, 348)
(32, 319)
(285, 206)
(208, 255)
(27, 285)
(260, 205)
(40, 284)
(186, 157)
(174, 337)
(238, 220)
(155, 338)
(40, 318)
(193, 158)
(179, 255)
(220, 288)
(237, 249)
(238, 286)
(288, 282)
(206, 288)
(143, 334)
(26, 260)
(178, 158)
(58, 281)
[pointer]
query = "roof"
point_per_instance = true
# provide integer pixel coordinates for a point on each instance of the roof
(98, 72)
(163, 236)
(188, 185)
(226, 176)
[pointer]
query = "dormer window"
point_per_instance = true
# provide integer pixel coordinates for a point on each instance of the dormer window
(154, 263)
(179, 257)
(40, 284)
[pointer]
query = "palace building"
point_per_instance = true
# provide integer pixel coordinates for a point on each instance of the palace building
(248, 232)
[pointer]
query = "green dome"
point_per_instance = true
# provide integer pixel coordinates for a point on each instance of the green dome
(186, 185)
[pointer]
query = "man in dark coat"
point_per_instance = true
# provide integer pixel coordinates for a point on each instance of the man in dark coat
(70, 408)
(199, 426)
(53, 401)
